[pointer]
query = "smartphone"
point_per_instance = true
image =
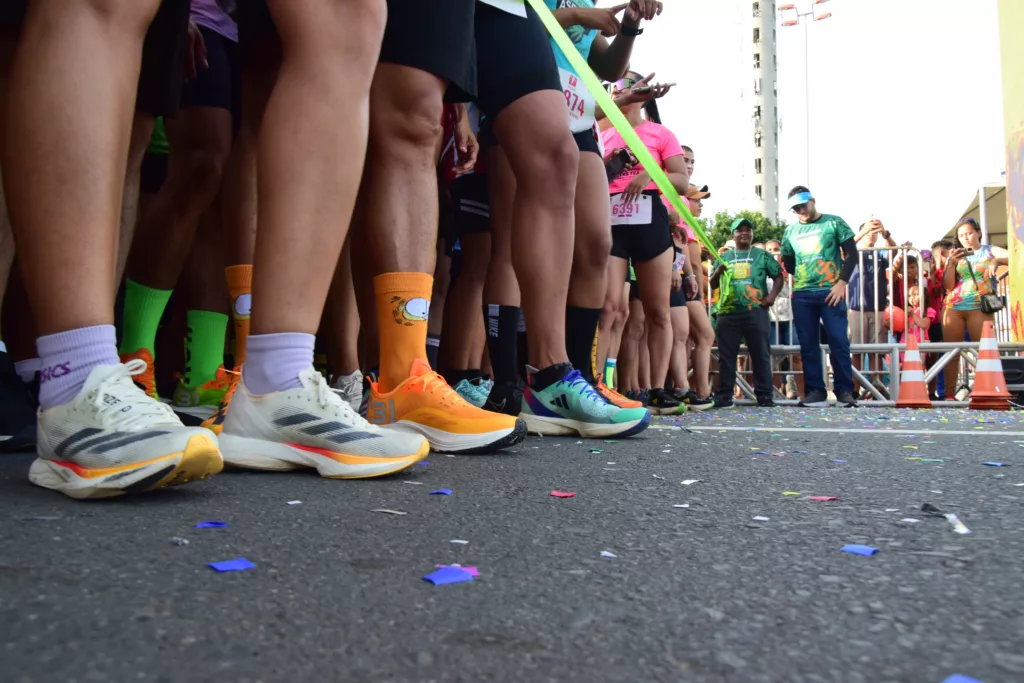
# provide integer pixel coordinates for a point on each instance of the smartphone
(617, 164)
(968, 250)
(642, 89)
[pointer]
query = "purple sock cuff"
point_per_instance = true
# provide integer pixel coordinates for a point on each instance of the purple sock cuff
(67, 358)
(273, 361)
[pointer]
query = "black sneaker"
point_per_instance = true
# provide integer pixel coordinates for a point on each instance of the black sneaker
(663, 403)
(765, 402)
(815, 399)
(17, 410)
(724, 402)
(643, 396)
(505, 398)
(695, 402)
(847, 399)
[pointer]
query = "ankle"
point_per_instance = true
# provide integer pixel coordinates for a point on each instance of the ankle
(274, 361)
(67, 358)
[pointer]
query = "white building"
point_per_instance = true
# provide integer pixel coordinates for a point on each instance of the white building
(762, 96)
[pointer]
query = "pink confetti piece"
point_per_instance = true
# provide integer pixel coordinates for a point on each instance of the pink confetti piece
(823, 499)
(563, 494)
(472, 570)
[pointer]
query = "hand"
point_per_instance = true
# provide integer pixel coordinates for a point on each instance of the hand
(679, 233)
(990, 273)
(957, 255)
(468, 146)
(768, 301)
(646, 92)
(636, 186)
(195, 55)
(837, 294)
(692, 288)
(642, 9)
(601, 19)
(677, 280)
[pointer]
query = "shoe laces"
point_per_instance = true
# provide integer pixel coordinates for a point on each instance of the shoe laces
(576, 382)
(431, 382)
(120, 403)
(328, 399)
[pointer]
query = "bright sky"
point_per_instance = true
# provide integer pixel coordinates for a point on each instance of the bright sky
(906, 105)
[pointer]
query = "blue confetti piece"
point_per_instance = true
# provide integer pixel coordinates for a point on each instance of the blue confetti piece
(838, 461)
(860, 549)
(237, 565)
(761, 453)
(447, 575)
(800, 452)
(994, 464)
(211, 525)
(960, 678)
(423, 462)
(441, 492)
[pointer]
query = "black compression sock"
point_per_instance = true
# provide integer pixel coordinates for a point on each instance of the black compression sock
(580, 334)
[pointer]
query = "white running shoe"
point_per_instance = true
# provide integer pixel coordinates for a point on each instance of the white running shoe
(350, 389)
(312, 427)
(113, 439)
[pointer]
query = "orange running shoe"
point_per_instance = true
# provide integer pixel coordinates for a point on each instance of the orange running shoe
(614, 397)
(215, 423)
(145, 380)
(425, 404)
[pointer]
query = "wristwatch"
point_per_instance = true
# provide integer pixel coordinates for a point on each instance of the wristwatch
(632, 32)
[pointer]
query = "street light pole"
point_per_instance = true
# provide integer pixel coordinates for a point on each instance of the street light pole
(805, 18)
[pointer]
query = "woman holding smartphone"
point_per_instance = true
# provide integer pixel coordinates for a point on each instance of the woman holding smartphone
(641, 234)
(968, 277)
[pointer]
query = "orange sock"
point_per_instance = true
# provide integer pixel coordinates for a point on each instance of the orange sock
(240, 286)
(403, 305)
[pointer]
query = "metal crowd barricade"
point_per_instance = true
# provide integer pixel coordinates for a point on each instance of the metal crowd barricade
(963, 353)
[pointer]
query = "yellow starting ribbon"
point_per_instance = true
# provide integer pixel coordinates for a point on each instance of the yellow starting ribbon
(618, 120)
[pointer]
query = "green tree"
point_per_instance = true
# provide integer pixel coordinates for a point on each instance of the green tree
(764, 229)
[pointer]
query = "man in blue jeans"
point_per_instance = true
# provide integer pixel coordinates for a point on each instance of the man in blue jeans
(811, 251)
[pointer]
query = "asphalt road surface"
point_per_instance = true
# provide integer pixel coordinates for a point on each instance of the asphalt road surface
(100, 591)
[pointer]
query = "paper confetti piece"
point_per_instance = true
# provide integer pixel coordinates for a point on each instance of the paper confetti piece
(658, 477)
(472, 570)
(911, 447)
(792, 493)
(838, 461)
(892, 509)
(800, 452)
(446, 575)
(684, 505)
(441, 492)
(932, 460)
(596, 450)
(605, 553)
(211, 525)
(910, 520)
(459, 541)
(423, 462)
(860, 549)
(958, 526)
(688, 482)
(960, 678)
(237, 565)
(994, 464)
(822, 499)
(414, 483)
(917, 458)
(294, 502)
(563, 494)
(389, 512)
(761, 519)
(779, 455)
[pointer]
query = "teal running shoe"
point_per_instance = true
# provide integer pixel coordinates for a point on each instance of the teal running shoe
(471, 393)
(572, 406)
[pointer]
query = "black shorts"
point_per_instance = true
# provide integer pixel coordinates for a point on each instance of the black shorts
(220, 86)
(154, 172)
(634, 290)
(587, 141)
(471, 204)
(440, 42)
(677, 299)
(163, 60)
(254, 22)
(12, 13)
(514, 59)
(641, 243)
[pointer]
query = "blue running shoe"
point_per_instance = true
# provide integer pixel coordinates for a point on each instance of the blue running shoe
(572, 406)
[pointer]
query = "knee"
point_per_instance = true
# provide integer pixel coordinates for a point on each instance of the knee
(332, 32)
(658, 316)
(133, 15)
(405, 118)
(550, 174)
(593, 251)
(202, 169)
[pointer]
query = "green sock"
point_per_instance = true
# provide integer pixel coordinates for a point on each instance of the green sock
(609, 372)
(143, 308)
(204, 346)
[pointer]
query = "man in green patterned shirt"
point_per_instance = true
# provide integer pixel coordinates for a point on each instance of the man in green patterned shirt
(820, 251)
(743, 305)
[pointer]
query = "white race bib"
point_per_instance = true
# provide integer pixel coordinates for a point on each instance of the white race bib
(636, 212)
(578, 100)
(516, 7)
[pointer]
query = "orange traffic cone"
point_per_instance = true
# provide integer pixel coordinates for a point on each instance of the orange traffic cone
(913, 389)
(989, 392)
